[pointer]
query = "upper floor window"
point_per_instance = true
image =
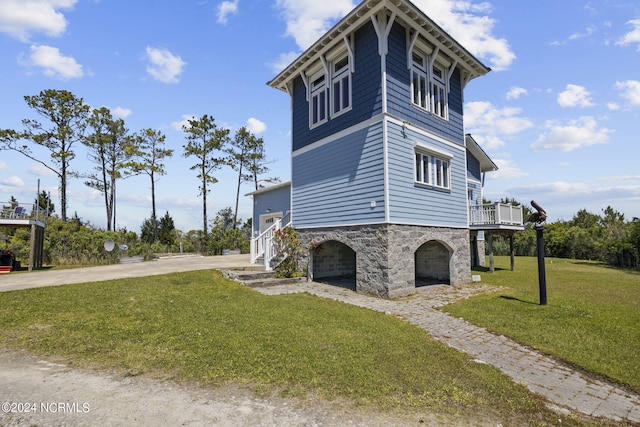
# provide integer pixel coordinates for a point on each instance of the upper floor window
(318, 100)
(341, 85)
(439, 92)
(428, 84)
(419, 86)
(330, 89)
(432, 170)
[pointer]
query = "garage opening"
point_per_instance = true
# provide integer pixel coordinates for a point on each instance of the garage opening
(432, 261)
(334, 263)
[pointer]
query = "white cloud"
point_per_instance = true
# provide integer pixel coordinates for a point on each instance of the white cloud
(633, 36)
(516, 92)
(184, 122)
(491, 123)
(21, 18)
(164, 66)
(255, 126)
(468, 23)
(121, 112)
(38, 169)
(283, 61)
(3, 166)
(612, 106)
(506, 170)
(471, 25)
(225, 9)
(590, 30)
(13, 181)
(630, 90)
(308, 20)
(53, 63)
(575, 96)
(581, 132)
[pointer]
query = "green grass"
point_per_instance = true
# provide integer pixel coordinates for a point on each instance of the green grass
(199, 327)
(592, 319)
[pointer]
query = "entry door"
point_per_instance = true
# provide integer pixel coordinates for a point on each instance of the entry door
(267, 220)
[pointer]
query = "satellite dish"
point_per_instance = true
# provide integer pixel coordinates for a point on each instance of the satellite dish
(109, 245)
(123, 247)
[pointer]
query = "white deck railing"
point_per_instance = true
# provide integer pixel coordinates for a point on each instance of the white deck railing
(263, 247)
(496, 214)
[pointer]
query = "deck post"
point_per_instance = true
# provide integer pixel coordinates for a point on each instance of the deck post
(512, 252)
(491, 264)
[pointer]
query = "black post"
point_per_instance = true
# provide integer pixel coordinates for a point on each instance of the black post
(542, 278)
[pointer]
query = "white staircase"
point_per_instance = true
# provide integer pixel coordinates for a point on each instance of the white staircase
(262, 248)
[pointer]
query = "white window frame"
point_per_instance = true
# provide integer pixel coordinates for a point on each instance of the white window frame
(318, 100)
(340, 85)
(432, 168)
(439, 92)
(429, 89)
(419, 75)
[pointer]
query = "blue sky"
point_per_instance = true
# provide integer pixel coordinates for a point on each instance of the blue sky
(559, 113)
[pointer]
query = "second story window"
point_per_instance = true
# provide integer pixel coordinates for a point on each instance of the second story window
(428, 84)
(420, 95)
(439, 92)
(318, 100)
(340, 85)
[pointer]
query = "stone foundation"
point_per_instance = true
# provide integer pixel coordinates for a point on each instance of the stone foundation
(386, 255)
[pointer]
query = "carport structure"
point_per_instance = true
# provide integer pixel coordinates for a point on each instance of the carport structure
(27, 215)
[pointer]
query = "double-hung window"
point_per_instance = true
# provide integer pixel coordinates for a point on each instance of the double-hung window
(432, 170)
(428, 84)
(438, 92)
(340, 85)
(318, 100)
(419, 87)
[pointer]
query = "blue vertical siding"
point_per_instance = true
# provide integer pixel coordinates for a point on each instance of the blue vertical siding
(399, 93)
(366, 94)
(473, 167)
(334, 184)
(278, 200)
(415, 204)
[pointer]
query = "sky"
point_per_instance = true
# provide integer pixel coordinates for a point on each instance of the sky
(559, 113)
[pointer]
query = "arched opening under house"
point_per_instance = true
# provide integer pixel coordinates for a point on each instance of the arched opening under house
(433, 264)
(334, 263)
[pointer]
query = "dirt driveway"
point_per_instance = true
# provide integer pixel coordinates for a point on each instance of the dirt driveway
(35, 392)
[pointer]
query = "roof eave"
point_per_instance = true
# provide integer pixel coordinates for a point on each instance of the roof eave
(412, 16)
(486, 164)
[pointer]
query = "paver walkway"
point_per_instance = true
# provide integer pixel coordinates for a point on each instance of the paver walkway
(541, 374)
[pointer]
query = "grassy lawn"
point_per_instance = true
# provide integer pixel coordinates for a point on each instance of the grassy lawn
(592, 319)
(199, 327)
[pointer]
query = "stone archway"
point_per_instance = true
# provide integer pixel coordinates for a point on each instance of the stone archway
(433, 264)
(334, 263)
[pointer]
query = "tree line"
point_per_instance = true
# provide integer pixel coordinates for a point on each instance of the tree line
(606, 237)
(118, 153)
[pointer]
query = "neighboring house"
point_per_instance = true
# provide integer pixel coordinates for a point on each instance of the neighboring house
(382, 173)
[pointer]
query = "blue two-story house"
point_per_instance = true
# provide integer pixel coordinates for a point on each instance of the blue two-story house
(383, 176)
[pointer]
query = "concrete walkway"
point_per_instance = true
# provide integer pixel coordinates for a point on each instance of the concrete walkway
(164, 265)
(557, 382)
(541, 374)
